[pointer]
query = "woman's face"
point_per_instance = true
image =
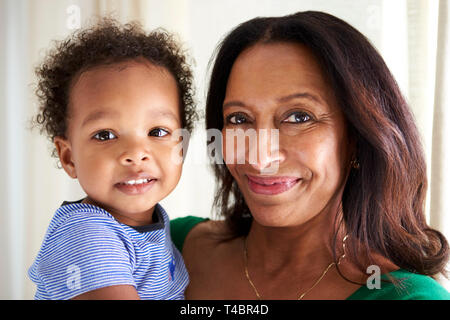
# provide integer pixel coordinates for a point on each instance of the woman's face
(278, 94)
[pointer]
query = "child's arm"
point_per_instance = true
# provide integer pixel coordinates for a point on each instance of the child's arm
(119, 292)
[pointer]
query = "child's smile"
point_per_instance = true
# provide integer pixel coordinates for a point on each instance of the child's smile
(137, 184)
(119, 139)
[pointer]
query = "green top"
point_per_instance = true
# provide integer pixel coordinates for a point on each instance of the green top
(412, 286)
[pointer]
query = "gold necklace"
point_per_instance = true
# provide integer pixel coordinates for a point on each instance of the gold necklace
(304, 293)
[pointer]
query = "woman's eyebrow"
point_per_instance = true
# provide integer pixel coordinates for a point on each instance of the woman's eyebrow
(306, 95)
(283, 99)
(233, 103)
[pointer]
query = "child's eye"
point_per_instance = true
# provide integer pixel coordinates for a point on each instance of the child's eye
(297, 117)
(158, 132)
(104, 135)
(236, 118)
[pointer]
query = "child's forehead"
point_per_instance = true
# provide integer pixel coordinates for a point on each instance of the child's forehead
(120, 69)
(124, 83)
(115, 76)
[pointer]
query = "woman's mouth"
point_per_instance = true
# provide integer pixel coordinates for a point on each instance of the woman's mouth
(271, 185)
(135, 186)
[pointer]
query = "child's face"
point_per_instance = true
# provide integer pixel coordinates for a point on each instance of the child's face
(119, 143)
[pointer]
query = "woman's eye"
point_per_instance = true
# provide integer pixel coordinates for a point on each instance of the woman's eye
(158, 132)
(104, 136)
(298, 117)
(236, 119)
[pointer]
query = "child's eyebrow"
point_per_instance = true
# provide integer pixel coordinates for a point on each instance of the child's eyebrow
(98, 115)
(165, 114)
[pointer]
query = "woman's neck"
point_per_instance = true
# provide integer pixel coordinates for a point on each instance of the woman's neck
(308, 246)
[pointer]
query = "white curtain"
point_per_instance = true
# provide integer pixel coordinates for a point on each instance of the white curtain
(412, 36)
(440, 152)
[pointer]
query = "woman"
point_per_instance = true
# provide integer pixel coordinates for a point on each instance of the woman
(345, 201)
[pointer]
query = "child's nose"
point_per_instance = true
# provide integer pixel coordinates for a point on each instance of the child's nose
(134, 159)
(134, 155)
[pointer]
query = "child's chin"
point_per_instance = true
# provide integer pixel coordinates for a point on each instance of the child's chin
(137, 210)
(134, 216)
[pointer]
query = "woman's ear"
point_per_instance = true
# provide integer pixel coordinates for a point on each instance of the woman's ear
(64, 149)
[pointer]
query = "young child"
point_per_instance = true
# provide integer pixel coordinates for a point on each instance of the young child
(111, 98)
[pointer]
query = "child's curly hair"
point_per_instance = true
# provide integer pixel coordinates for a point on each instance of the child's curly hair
(105, 43)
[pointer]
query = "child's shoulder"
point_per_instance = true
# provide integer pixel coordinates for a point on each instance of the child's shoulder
(77, 215)
(80, 227)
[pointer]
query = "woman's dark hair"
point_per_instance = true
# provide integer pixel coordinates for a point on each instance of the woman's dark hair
(384, 200)
(107, 42)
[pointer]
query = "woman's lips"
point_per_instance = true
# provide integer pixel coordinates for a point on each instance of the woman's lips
(271, 185)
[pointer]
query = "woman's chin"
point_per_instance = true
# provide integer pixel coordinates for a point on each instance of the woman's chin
(281, 215)
(271, 217)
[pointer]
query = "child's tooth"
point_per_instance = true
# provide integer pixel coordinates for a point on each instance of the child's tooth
(139, 181)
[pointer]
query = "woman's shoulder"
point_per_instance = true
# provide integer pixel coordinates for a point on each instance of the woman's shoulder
(209, 253)
(195, 231)
(409, 286)
(181, 227)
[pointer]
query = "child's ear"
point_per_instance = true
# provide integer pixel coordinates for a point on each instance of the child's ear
(64, 149)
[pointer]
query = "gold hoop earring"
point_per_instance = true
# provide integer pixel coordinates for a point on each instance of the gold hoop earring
(355, 164)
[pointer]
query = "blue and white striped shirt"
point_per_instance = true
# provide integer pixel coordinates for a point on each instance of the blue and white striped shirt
(85, 249)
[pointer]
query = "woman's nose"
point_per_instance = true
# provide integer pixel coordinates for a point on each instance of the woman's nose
(265, 156)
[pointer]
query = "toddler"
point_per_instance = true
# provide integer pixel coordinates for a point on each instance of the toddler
(112, 97)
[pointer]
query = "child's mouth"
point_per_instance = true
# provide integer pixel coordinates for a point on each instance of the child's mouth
(135, 187)
(134, 182)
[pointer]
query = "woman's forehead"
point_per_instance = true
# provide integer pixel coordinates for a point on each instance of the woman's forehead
(278, 72)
